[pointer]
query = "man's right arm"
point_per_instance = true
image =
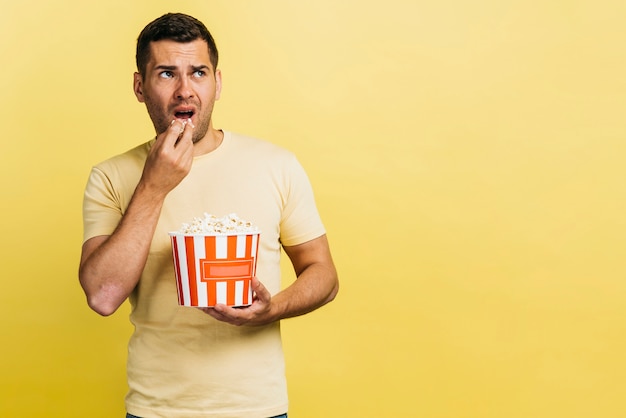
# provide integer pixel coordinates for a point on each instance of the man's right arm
(110, 266)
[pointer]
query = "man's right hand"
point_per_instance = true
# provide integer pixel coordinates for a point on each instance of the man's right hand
(169, 160)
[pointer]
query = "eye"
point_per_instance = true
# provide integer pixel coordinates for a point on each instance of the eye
(166, 74)
(199, 73)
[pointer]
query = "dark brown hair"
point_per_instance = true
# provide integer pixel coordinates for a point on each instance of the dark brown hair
(177, 27)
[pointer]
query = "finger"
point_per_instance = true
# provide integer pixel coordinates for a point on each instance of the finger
(182, 124)
(186, 135)
(178, 126)
(221, 313)
(212, 312)
(169, 138)
(226, 311)
(262, 294)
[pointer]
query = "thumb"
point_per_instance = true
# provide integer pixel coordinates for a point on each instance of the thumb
(262, 293)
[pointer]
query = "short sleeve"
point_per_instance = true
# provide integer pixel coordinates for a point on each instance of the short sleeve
(300, 220)
(102, 210)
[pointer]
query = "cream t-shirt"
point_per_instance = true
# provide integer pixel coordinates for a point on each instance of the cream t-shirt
(181, 362)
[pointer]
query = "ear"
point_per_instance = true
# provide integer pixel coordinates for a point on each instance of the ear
(218, 84)
(138, 87)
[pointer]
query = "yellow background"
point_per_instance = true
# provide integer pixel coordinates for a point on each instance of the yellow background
(468, 161)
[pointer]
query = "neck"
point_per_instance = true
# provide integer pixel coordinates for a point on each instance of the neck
(210, 142)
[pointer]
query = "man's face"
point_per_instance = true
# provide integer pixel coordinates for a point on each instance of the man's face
(180, 83)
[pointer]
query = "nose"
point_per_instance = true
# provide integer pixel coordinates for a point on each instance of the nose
(184, 90)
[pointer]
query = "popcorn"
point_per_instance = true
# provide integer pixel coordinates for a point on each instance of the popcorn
(211, 224)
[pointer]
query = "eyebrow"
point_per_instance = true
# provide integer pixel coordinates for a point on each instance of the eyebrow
(165, 67)
(173, 67)
(201, 67)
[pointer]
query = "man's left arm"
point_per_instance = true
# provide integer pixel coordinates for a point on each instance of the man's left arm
(316, 285)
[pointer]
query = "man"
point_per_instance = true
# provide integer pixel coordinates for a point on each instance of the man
(198, 362)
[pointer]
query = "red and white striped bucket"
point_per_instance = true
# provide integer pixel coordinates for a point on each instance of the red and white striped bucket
(213, 269)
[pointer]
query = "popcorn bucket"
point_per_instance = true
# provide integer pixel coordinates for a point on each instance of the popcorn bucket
(212, 269)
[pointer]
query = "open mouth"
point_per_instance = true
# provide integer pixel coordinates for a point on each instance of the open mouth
(184, 114)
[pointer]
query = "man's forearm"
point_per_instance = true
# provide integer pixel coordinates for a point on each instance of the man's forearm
(111, 266)
(314, 287)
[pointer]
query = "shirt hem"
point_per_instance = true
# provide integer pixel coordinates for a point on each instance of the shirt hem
(144, 412)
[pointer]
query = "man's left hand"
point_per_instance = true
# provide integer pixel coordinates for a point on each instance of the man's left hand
(256, 314)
